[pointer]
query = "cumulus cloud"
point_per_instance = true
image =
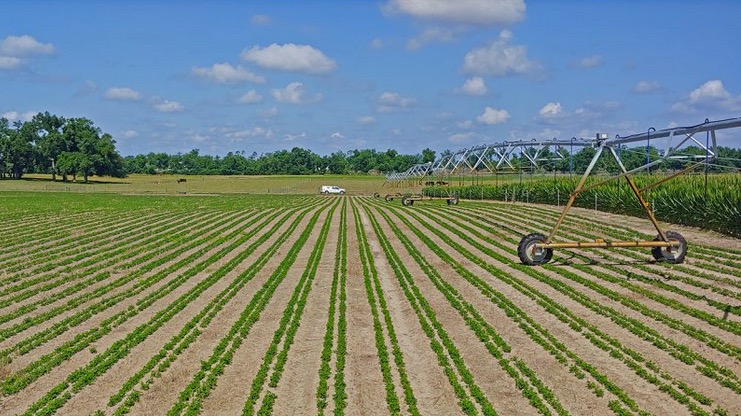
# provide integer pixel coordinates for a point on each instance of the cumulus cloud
(337, 136)
(499, 58)
(460, 138)
(466, 12)
(129, 134)
(551, 110)
(493, 116)
(167, 106)
(25, 45)
(390, 101)
(10, 62)
(292, 137)
(294, 93)
(435, 34)
(256, 131)
(712, 95)
(590, 61)
(647, 86)
(228, 74)
(16, 116)
(474, 86)
(15, 50)
(122, 94)
(290, 57)
(250, 97)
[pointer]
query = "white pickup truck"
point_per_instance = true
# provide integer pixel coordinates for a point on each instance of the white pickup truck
(326, 190)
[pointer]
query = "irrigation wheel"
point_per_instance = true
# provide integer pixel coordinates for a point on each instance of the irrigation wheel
(407, 201)
(531, 255)
(674, 254)
(388, 198)
(453, 201)
(376, 195)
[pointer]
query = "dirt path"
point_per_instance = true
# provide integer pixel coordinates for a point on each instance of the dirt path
(365, 387)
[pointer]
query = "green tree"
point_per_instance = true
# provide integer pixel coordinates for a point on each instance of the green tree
(16, 148)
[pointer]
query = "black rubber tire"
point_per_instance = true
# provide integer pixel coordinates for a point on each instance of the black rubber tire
(326, 192)
(673, 255)
(388, 198)
(452, 201)
(531, 256)
(376, 195)
(342, 193)
(406, 201)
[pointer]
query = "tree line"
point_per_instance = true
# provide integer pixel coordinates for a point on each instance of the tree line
(60, 146)
(75, 147)
(296, 161)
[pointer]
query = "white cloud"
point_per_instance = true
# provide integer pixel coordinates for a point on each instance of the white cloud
(337, 136)
(260, 20)
(167, 106)
(250, 97)
(129, 134)
(590, 61)
(710, 91)
(292, 137)
(122, 94)
(493, 116)
(551, 110)
(290, 57)
(435, 34)
(25, 45)
(390, 101)
(16, 116)
(366, 120)
(460, 138)
(272, 112)
(244, 134)
(294, 93)
(711, 95)
(10, 62)
(474, 86)
(465, 125)
(228, 74)
(647, 86)
(467, 12)
(499, 58)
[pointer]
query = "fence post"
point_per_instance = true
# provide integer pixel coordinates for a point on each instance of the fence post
(595, 202)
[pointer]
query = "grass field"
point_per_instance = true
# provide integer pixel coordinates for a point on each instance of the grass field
(307, 304)
(168, 184)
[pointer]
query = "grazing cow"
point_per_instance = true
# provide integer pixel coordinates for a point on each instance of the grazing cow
(182, 180)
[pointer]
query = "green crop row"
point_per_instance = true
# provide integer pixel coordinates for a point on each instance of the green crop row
(447, 353)
(337, 295)
(121, 348)
(378, 307)
(594, 335)
(189, 333)
(25, 376)
(190, 400)
(288, 325)
(562, 313)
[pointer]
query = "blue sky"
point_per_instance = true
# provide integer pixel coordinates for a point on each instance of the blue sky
(329, 75)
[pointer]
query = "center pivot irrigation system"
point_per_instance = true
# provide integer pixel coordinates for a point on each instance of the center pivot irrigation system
(668, 246)
(486, 158)
(536, 248)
